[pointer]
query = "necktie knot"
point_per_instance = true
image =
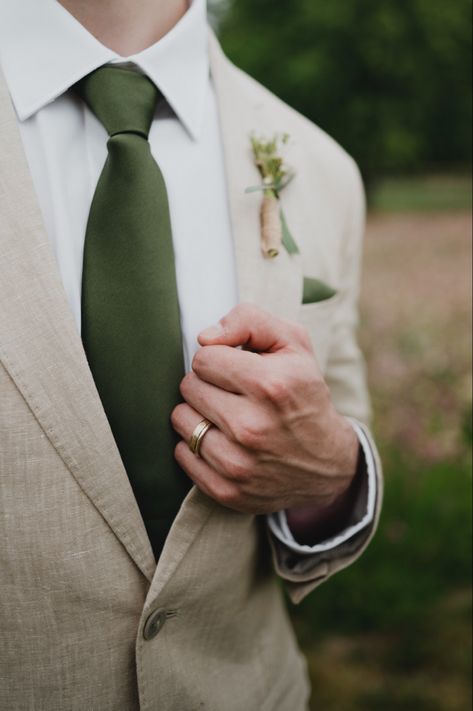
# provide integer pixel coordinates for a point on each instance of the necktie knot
(123, 100)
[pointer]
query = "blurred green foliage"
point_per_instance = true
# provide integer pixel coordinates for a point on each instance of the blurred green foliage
(401, 617)
(390, 80)
(421, 552)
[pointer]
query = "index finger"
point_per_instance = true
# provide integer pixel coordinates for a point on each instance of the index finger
(248, 325)
(230, 369)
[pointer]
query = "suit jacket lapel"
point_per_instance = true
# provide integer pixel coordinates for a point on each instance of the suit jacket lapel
(42, 351)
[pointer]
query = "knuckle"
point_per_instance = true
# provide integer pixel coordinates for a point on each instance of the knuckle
(248, 433)
(186, 382)
(177, 414)
(276, 388)
(197, 360)
(200, 358)
(226, 495)
(179, 451)
(256, 385)
(245, 311)
(237, 469)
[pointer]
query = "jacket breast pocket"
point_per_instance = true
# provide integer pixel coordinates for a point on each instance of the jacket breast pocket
(319, 319)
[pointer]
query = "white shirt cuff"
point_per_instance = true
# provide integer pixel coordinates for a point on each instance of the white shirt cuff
(279, 527)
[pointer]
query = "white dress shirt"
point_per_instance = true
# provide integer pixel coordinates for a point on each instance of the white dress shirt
(44, 51)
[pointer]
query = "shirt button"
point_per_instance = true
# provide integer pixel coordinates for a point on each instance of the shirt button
(154, 624)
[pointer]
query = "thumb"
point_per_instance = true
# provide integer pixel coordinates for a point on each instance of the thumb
(249, 326)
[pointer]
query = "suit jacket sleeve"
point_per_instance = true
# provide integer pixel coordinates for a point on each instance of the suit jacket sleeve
(346, 377)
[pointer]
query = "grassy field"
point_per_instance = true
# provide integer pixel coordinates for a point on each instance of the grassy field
(425, 194)
(394, 631)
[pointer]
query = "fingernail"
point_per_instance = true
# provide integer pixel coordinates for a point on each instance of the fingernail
(212, 332)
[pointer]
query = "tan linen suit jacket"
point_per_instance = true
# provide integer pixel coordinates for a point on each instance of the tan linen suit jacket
(79, 587)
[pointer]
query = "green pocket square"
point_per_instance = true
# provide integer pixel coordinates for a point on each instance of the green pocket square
(316, 290)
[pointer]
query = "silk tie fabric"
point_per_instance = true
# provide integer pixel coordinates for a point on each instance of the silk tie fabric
(130, 312)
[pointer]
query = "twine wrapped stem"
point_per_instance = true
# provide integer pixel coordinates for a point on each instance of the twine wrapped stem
(271, 228)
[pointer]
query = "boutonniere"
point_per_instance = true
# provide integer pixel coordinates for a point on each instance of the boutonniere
(276, 175)
(275, 233)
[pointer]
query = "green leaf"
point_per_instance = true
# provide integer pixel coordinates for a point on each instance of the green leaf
(316, 290)
(287, 238)
(255, 189)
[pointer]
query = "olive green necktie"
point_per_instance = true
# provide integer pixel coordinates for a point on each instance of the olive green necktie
(130, 312)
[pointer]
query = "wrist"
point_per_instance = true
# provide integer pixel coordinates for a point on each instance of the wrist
(342, 454)
(323, 518)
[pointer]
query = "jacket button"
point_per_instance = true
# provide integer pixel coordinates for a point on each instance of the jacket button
(154, 624)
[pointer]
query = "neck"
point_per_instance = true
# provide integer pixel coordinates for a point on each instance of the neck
(127, 27)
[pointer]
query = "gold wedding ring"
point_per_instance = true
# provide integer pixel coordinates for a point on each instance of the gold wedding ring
(198, 435)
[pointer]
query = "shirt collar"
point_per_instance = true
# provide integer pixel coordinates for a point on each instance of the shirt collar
(44, 51)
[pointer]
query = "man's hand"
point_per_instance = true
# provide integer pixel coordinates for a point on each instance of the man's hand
(278, 442)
